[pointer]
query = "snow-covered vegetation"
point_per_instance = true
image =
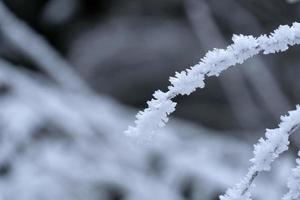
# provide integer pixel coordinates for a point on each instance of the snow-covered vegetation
(214, 62)
(60, 138)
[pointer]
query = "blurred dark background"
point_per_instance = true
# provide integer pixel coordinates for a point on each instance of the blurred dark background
(55, 144)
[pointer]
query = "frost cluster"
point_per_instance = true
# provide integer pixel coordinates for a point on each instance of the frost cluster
(294, 183)
(265, 152)
(160, 106)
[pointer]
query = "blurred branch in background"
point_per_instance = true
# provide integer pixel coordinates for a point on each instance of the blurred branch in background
(38, 50)
(49, 158)
(52, 13)
(42, 155)
(292, 1)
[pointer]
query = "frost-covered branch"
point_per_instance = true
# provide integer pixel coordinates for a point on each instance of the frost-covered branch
(265, 152)
(213, 63)
(294, 183)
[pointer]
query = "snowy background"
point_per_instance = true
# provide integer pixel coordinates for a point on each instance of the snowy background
(73, 74)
